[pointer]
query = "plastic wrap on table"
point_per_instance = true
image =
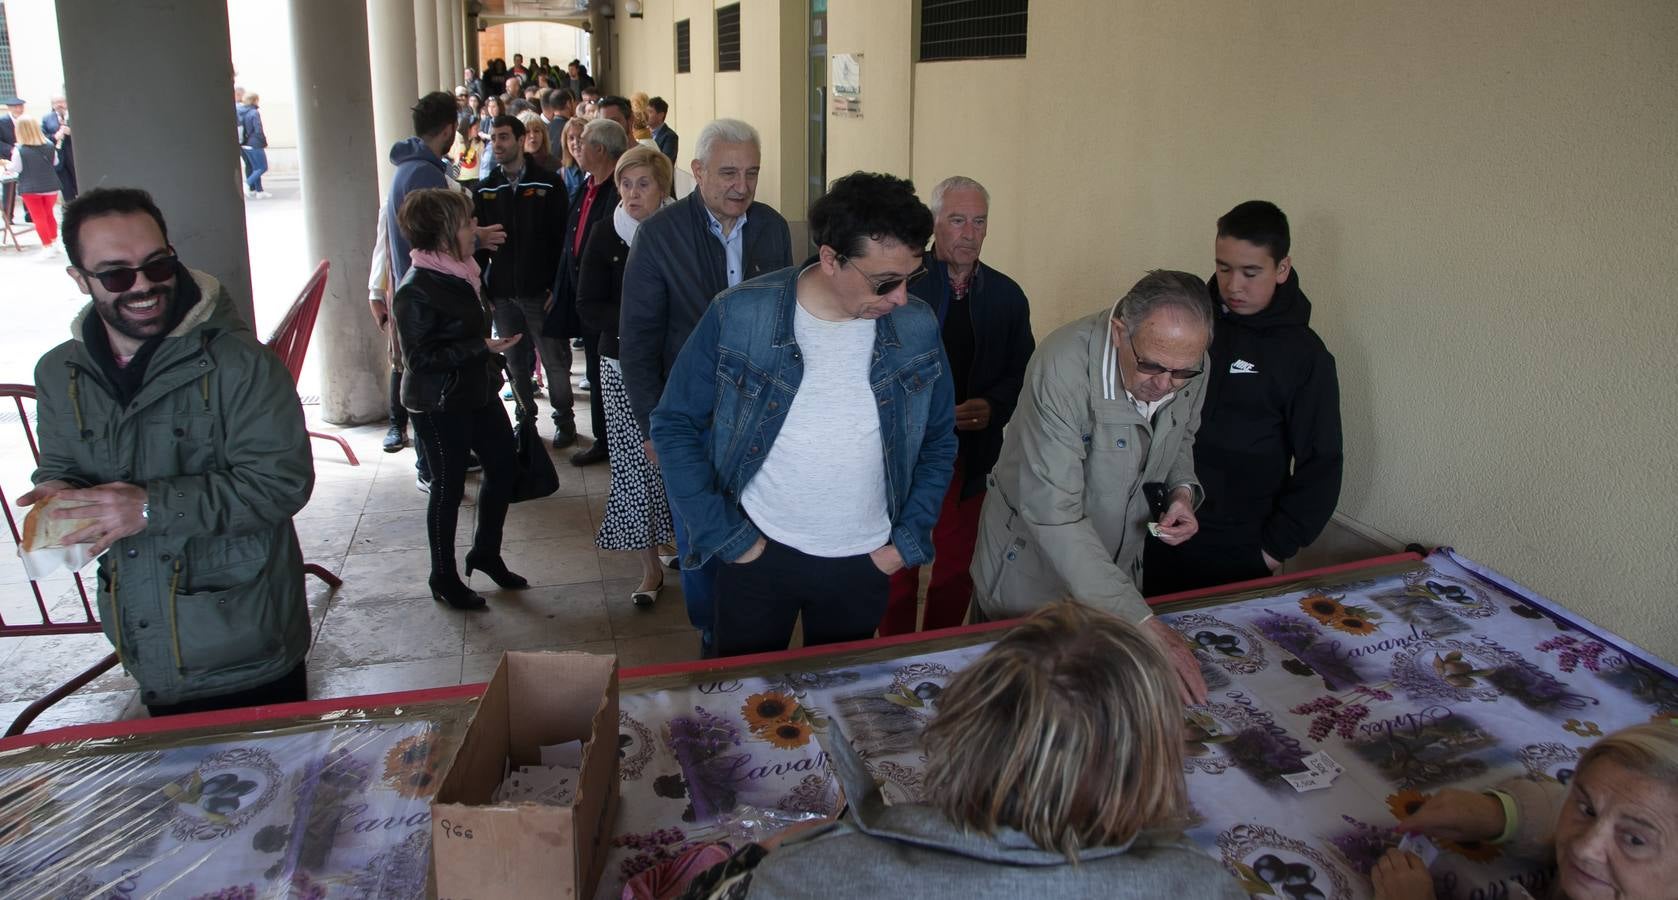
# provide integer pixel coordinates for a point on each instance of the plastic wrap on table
(308, 807)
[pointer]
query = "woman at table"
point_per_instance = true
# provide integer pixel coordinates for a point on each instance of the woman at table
(451, 372)
(1611, 832)
(637, 511)
(1054, 769)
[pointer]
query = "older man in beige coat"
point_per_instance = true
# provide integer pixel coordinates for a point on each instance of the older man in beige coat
(1111, 403)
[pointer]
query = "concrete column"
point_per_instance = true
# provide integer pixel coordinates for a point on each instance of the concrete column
(601, 64)
(340, 202)
(188, 157)
(390, 38)
(425, 46)
(457, 39)
(448, 76)
(472, 45)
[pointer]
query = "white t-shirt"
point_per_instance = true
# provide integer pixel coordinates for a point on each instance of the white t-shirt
(822, 489)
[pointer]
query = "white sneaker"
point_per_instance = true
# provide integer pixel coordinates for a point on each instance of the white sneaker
(263, 195)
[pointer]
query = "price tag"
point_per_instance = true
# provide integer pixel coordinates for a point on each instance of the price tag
(1320, 772)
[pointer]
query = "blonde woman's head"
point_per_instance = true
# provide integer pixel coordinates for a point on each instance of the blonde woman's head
(1068, 730)
(29, 131)
(535, 133)
(643, 178)
(571, 140)
(1617, 835)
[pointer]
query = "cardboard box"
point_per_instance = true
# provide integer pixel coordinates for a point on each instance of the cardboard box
(482, 850)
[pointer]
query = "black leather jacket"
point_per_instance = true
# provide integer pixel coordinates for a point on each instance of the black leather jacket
(600, 283)
(442, 326)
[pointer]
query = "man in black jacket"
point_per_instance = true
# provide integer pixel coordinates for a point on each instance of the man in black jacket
(664, 136)
(603, 141)
(529, 202)
(1268, 452)
(8, 126)
(986, 325)
(684, 255)
(56, 126)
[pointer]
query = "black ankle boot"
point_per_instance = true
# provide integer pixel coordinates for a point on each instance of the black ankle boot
(495, 569)
(455, 593)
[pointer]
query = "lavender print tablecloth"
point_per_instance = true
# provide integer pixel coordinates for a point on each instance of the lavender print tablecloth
(1446, 675)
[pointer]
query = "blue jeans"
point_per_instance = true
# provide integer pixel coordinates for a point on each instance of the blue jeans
(256, 160)
(698, 588)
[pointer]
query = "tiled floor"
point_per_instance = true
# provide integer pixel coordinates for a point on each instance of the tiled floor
(382, 631)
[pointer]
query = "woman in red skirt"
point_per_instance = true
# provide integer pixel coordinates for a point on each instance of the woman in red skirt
(33, 160)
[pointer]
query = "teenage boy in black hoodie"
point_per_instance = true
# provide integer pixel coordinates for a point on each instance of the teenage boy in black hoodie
(1268, 452)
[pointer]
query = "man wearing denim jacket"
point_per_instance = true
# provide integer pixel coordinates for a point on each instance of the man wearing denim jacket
(806, 434)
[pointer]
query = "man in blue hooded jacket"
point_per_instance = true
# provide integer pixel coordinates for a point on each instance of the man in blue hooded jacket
(420, 164)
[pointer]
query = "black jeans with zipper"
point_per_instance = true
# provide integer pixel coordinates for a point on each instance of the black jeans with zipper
(840, 599)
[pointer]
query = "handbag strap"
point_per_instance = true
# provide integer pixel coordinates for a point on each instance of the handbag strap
(518, 402)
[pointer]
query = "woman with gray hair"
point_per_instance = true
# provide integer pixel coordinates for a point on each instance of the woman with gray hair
(637, 512)
(1612, 831)
(1053, 769)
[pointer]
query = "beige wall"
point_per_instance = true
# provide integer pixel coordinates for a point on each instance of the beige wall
(1483, 201)
(260, 36)
(36, 63)
(882, 31)
(771, 42)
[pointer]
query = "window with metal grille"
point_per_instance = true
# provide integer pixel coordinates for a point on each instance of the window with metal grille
(8, 84)
(972, 29)
(728, 38)
(684, 57)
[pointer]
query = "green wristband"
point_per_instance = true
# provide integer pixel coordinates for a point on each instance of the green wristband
(1511, 816)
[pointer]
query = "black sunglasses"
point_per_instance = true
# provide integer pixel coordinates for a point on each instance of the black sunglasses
(122, 278)
(882, 288)
(1153, 368)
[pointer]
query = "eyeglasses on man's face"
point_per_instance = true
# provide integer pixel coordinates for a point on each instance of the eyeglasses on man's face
(120, 278)
(885, 285)
(1151, 368)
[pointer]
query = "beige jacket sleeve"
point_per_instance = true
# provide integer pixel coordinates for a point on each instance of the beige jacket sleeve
(1538, 805)
(1051, 420)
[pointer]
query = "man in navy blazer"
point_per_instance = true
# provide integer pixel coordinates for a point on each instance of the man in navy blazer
(663, 135)
(683, 256)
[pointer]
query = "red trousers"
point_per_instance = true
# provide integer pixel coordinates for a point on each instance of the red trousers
(951, 589)
(40, 209)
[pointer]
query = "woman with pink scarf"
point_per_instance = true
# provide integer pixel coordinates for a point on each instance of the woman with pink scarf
(452, 372)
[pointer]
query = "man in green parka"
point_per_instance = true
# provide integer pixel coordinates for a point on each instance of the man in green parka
(186, 438)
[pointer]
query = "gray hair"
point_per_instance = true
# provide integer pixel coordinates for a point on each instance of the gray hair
(1161, 289)
(955, 183)
(724, 131)
(606, 135)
